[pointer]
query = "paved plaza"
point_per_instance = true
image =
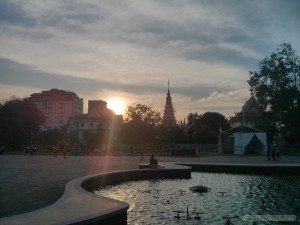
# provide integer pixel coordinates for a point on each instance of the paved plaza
(32, 182)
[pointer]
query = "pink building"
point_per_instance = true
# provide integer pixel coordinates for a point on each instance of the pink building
(57, 106)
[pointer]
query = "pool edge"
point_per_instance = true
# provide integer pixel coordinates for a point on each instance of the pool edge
(79, 206)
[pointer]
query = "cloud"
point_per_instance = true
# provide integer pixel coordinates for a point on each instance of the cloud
(12, 13)
(200, 96)
(98, 48)
(13, 73)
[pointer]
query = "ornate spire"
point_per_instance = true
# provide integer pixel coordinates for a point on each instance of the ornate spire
(169, 118)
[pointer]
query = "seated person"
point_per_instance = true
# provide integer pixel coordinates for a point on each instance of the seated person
(153, 162)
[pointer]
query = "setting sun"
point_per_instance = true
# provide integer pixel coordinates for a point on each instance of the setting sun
(117, 105)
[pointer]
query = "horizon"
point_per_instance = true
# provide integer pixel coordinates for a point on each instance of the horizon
(85, 106)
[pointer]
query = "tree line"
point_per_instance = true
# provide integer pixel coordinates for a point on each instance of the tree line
(143, 125)
(20, 122)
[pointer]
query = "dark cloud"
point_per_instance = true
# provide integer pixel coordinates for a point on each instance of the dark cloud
(197, 92)
(12, 13)
(121, 22)
(13, 73)
(251, 24)
(73, 17)
(216, 54)
(193, 36)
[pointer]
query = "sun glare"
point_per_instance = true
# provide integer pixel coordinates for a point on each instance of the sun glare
(117, 105)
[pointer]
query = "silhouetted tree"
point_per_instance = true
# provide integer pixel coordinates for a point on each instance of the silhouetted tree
(50, 137)
(276, 86)
(20, 121)
(172, 134)
(56, 136)
(141, 125)
(143, 114)
(205, 128)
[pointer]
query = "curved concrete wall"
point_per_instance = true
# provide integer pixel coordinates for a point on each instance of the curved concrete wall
(79, 206)
(268, 169)
(172, 171)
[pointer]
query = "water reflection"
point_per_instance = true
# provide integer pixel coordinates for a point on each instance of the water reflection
(157, 201)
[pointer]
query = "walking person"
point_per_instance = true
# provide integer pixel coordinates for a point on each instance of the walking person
(65, 152)
(142, 154)
(277, 153)
(274, 152)
(269, 150)
(2, 148)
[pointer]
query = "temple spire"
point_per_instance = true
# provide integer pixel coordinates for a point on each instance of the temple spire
(168, 93)
(169, 118)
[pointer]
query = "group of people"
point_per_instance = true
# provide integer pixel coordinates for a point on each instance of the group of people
(275, 153)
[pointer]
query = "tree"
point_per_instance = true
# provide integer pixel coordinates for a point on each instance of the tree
(20, 121)
(143, 114)
(205, 128)
(214, 120)
(276, 86)
(141, 125)
(172, 134)
(50, 137)
(56, 136)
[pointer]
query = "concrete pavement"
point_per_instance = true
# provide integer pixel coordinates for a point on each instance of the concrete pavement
(32, 182)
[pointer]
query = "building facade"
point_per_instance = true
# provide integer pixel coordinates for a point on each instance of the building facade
(91, 130)
(169, 117)
(57, 106)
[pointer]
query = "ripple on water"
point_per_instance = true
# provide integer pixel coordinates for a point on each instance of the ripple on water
(154, 201)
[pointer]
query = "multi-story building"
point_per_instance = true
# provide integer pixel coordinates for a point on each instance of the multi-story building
(92, 129)
(57, 106)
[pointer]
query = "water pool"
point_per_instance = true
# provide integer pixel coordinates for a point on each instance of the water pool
(231, 195)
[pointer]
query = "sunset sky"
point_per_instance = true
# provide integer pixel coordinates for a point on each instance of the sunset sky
(130, 49)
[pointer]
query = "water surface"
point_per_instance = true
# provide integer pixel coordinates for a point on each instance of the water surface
(154, 201)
